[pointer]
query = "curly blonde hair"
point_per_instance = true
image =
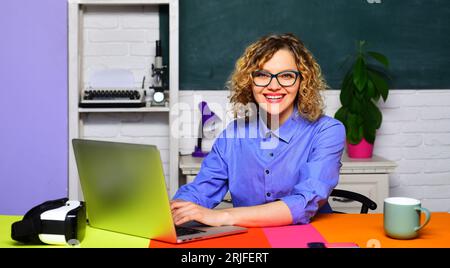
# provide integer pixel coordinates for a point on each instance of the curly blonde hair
(310, 103)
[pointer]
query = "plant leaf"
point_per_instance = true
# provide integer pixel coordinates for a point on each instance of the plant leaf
(351, 136)
(355, 134)
(369, 134)
(354, 127)
(359, 119)
(351, 120)
(360, 74)
(360, 133)
(375, 114)
(341, 115)
(379, 57)
(380, 84)
(355, 105)
(372, 116)
(372, 93)
(377, 97)
(346, 90)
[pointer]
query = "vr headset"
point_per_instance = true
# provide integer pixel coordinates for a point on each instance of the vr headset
(57, 222)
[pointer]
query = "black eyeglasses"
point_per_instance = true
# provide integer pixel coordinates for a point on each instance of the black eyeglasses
(284, 78)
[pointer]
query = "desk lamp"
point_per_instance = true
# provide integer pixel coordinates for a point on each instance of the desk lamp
(207, 127)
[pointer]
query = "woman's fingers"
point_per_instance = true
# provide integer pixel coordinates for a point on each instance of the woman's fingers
(188, 215)
(183, 210)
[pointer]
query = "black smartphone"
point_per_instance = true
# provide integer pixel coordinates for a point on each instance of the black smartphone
(316, 245)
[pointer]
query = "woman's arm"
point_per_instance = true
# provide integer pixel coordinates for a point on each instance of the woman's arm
(211, 183)
(271, 214)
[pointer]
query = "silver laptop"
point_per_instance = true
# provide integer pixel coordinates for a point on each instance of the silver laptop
(125, 191)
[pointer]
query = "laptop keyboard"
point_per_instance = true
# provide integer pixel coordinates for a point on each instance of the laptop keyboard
(186, 231)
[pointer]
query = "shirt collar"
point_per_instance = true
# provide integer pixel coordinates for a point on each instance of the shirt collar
(285, 132)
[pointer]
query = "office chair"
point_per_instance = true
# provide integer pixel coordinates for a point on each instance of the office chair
(348, 196)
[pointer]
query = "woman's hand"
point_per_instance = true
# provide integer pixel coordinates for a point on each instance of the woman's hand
(184, 211)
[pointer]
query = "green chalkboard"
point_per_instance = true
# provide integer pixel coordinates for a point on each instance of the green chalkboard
(414, 34)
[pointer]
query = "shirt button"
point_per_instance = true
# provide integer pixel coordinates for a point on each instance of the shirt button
(271, 154)
(268, 194)
(267, 171)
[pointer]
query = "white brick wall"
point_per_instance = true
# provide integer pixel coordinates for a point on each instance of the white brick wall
(415, 133)
(120, 37)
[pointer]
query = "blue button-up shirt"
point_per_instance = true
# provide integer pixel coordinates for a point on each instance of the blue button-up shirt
(298, 164)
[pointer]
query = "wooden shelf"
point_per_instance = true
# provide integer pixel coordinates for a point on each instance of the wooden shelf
(124, 110)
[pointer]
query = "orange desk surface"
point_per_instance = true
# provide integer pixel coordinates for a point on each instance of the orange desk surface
(366, 230)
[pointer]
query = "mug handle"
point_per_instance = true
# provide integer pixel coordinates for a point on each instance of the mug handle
(427, 217)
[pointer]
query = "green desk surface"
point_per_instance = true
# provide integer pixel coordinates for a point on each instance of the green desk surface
(94, 238)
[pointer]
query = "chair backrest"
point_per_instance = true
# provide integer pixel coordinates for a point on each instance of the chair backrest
(348, 196)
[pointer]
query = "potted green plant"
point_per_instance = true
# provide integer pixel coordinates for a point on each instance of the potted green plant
(364, 83)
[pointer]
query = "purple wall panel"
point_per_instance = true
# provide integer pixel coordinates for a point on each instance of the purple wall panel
(33, 103)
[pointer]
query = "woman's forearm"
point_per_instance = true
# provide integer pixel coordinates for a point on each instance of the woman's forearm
(271, 214)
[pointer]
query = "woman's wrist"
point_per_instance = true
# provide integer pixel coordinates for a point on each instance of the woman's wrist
(228, 217)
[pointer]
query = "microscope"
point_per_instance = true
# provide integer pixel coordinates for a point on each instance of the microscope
(159, 98)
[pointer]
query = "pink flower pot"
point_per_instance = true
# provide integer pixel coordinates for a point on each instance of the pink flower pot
(360, 150)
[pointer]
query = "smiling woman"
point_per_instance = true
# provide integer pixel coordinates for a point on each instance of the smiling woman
(284, 172)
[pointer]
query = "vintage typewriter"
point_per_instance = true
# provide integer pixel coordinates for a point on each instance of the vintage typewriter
(112, 98)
